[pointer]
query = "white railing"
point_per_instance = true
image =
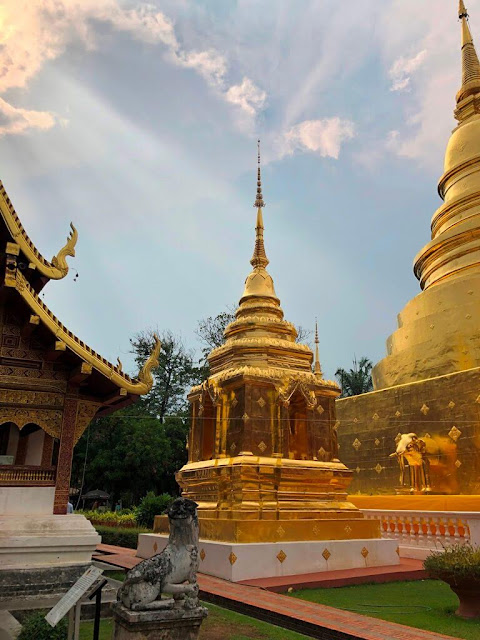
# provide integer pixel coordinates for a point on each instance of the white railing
(419, 532)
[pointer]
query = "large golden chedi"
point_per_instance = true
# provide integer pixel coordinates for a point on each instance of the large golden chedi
(263, 450)
(429, 382)
(438, 331)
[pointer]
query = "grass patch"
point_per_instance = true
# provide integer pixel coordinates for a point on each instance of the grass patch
(115, 574)
(220, 624)
(424, 604)
(106, 630)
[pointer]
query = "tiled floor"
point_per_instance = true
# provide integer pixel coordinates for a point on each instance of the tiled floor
(314, 620)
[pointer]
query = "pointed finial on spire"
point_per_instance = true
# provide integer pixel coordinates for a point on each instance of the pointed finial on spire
(259, 258)
(318, 368)
(259, 203)
(470, 62)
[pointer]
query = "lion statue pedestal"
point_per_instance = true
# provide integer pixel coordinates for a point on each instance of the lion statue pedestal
(167, 624)
(141, 612)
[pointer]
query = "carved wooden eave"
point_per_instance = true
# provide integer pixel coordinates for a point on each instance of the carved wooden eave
(26, 272)
(138, 386)
(118, 388)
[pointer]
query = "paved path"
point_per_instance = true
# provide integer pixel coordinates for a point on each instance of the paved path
(311, 619)
(314, 620)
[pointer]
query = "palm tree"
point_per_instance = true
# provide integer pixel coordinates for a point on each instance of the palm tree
(357, 380)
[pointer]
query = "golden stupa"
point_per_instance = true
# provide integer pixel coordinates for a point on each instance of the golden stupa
(429, 382)
(263, 463)
(438, 331)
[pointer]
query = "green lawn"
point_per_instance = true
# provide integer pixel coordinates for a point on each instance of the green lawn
(115, 575)
(220, 624)
(106, 630)
(425, 604)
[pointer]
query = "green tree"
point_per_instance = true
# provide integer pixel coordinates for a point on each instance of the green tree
(356, 380)
(210, 333)
(139, 449)
(127, 456)
(173, 376)
(303, 335)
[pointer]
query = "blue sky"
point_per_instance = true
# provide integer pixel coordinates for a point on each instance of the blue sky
(139, 123)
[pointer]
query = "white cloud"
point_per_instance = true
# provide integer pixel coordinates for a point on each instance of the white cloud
(14, 120)
(426, 120)
(34, 32)
(144, 22)
(324, 137)
(402, 69)
(209, 64)
(247, 96)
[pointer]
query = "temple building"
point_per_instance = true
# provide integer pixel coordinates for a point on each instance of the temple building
(263, 456)
(51, 386)
(428, 385)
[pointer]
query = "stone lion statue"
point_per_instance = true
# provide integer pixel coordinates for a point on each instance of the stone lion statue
(173, 571)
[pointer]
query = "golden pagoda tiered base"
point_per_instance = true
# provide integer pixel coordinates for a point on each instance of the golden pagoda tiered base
(261, 517)
(245, 531)
(247, 499)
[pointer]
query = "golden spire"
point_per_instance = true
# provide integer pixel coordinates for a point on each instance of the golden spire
(259, 203)
(259, 258)
(470, 62)
(318, 368)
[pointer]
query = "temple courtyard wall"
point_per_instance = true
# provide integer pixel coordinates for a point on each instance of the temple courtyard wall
(444, 411)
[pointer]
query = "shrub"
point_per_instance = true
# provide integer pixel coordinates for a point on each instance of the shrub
(152, 506)
(111, 518)
(35, 627)
(120, 537)
(457, 563)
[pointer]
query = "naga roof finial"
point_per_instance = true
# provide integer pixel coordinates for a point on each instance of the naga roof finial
(318, 368)
(259, 258)
(145, 373)
(59, 261)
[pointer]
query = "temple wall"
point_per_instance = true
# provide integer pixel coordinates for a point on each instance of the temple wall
(29, 501)
(445, 411)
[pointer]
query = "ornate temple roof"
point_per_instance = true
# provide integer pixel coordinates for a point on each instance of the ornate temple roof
(57, 268)
(27, 271)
